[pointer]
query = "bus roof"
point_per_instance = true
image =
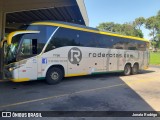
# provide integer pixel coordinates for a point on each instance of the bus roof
(85, 28)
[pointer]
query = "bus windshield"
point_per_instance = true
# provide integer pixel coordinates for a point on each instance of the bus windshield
(12, 50)
(28, 44)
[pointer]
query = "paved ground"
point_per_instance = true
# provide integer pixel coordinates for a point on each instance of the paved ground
(109, 92)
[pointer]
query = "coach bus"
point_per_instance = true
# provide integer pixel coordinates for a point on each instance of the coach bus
(54, 50)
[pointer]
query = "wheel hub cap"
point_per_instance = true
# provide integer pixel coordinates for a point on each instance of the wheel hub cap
(54, 76)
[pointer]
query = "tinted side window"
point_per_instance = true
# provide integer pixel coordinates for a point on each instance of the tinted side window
(45, 33)
(133, 45)
(64, 37)
(104, 41)
(117, 43)
(69, 37)
(43, 36)
(29, 47)
(136, 45)
(141, 46)
(88, 39)
(113, 42)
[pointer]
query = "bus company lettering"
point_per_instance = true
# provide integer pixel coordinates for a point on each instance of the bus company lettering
(110, 55)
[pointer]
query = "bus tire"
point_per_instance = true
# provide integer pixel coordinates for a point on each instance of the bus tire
(127, 70)
(54, 76)
(135, 69)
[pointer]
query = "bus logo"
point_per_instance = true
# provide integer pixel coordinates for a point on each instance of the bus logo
(75, 55)
(44, 60)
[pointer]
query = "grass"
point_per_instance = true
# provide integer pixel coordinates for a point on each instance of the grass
(155, 58)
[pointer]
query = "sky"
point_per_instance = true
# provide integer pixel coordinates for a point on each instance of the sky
(120, 11)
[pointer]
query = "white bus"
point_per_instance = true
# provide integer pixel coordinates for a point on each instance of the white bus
(54, 50)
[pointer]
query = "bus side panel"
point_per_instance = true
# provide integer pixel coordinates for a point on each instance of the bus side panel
(141, 60)
(140, 57)
(91, 62)
(121, 60)
(131, 57)
(146, 60)
(112, 60)
(128, 56)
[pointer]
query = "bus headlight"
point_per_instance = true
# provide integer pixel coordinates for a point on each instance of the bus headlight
(14, 66)
(11, 69)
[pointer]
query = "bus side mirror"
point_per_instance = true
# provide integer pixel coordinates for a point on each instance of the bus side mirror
(5, 47)
(1, 44)
(4, 41)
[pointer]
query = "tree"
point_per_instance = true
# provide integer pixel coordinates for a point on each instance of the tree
(152, 25)
(158, 30)
(139, 22)
(108, 26)
(158, 15)
(124, 29)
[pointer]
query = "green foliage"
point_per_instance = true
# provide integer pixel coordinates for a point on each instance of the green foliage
(106, 26)
(159, 44)
(155, 58)
(134, 28)
(158, 37)
(153, 24)
(154, 43)
(139, 22)
(124, 29)
(158, 14)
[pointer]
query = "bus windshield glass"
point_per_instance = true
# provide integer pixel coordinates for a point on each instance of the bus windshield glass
(28, 44)
(12, 50)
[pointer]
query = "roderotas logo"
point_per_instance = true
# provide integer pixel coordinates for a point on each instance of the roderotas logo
(75, 55)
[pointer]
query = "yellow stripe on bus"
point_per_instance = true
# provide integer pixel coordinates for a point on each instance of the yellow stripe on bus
(74, 75)
(20, 80)
(146, 67)
(87, 30)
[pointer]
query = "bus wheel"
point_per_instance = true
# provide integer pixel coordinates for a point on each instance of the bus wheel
(127, 70)
(54, 76)
(135, 69)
